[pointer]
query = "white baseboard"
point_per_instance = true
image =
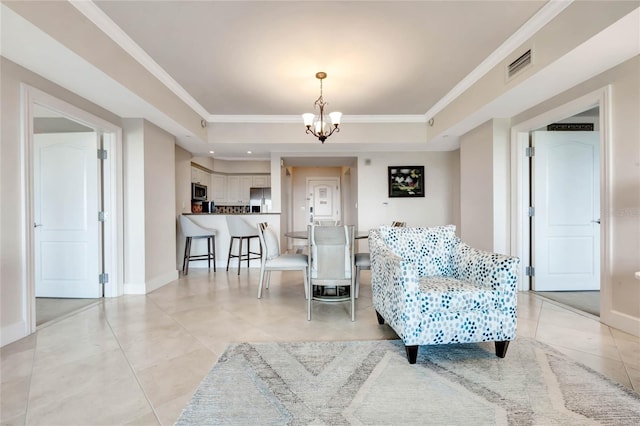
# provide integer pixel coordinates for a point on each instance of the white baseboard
(13, 332)
(150, 285)
(134, 288)
(623, 322)
(157, 282)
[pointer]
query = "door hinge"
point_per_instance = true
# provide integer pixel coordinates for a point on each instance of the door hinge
(103, 278)
(530, 271)
(102, 154)
(531, 211)
(530, 151)
(102, 217)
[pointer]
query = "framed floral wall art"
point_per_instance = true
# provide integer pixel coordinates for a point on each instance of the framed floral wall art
(406, 181)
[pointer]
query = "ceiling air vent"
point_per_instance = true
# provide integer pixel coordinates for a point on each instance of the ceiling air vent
(519, 64)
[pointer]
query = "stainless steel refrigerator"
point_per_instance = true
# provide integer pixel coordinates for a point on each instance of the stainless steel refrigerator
(260, 200)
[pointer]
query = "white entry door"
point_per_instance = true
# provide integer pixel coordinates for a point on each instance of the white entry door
(324, 199)
(566, 234)
(67, 231)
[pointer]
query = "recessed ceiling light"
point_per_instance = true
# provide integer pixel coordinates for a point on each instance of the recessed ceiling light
(211, 152)
(248, 152)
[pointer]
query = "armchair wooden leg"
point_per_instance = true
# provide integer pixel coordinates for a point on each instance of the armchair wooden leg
(501, 348)
(412, 353)
(380, 319)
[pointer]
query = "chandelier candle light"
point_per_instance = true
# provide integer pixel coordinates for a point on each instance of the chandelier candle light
(317, 125)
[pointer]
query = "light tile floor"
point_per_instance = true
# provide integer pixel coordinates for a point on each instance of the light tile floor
(136, 360)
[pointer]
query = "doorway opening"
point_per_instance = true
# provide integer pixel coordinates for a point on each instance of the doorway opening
(296, 201)
(72, 203)
(563, 258)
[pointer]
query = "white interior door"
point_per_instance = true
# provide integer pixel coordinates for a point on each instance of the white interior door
(66, 204)
(566, 197)
(324, 199)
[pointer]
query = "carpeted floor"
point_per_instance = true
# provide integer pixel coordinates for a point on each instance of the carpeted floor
(371, 383)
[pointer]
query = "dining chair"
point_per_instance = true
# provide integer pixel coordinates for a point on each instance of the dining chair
(273, 260)
(192, 230)
(240, 230)
(331, 260)
(363, 260)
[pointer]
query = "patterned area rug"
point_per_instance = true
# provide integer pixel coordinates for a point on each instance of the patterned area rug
(371, 383)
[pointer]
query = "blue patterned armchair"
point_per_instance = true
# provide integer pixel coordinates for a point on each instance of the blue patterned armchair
(432, 288)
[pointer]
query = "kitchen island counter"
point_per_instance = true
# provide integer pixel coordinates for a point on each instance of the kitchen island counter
(218, 222)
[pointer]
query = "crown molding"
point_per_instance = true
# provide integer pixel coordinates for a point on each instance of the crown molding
(296, 119)
(92, 12)
(101, 20)
(547, 13)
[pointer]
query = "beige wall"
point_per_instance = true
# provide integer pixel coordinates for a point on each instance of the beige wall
(238, 167)
(183, 180)
(438, 207)
(134, 205)
(205, 162)
(484, 186)
(278, 135)
(159, 196)
(476, 187)
(150, 225)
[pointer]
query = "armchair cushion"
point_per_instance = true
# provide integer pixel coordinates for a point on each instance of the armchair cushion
(449, 294)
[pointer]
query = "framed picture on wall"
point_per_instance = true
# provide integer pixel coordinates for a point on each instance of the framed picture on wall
(406, 181)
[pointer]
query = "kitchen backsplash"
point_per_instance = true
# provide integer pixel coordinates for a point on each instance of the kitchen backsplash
(232, 209)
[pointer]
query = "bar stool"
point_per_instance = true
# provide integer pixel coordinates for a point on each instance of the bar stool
(240, 230)
(192, 230)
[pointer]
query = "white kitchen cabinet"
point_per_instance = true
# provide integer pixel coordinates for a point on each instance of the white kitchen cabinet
(233, 189)
(218, 191)
(195, 175)
(200, 176)
(238, 189)
(246, 182)
(261, 181)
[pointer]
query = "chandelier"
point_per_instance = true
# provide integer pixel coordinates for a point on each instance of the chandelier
(317, 125)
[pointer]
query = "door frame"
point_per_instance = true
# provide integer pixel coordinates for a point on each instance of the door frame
(520, 186)
(113, 240)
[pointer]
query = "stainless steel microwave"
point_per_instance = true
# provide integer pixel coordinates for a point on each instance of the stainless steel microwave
(198, 192)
